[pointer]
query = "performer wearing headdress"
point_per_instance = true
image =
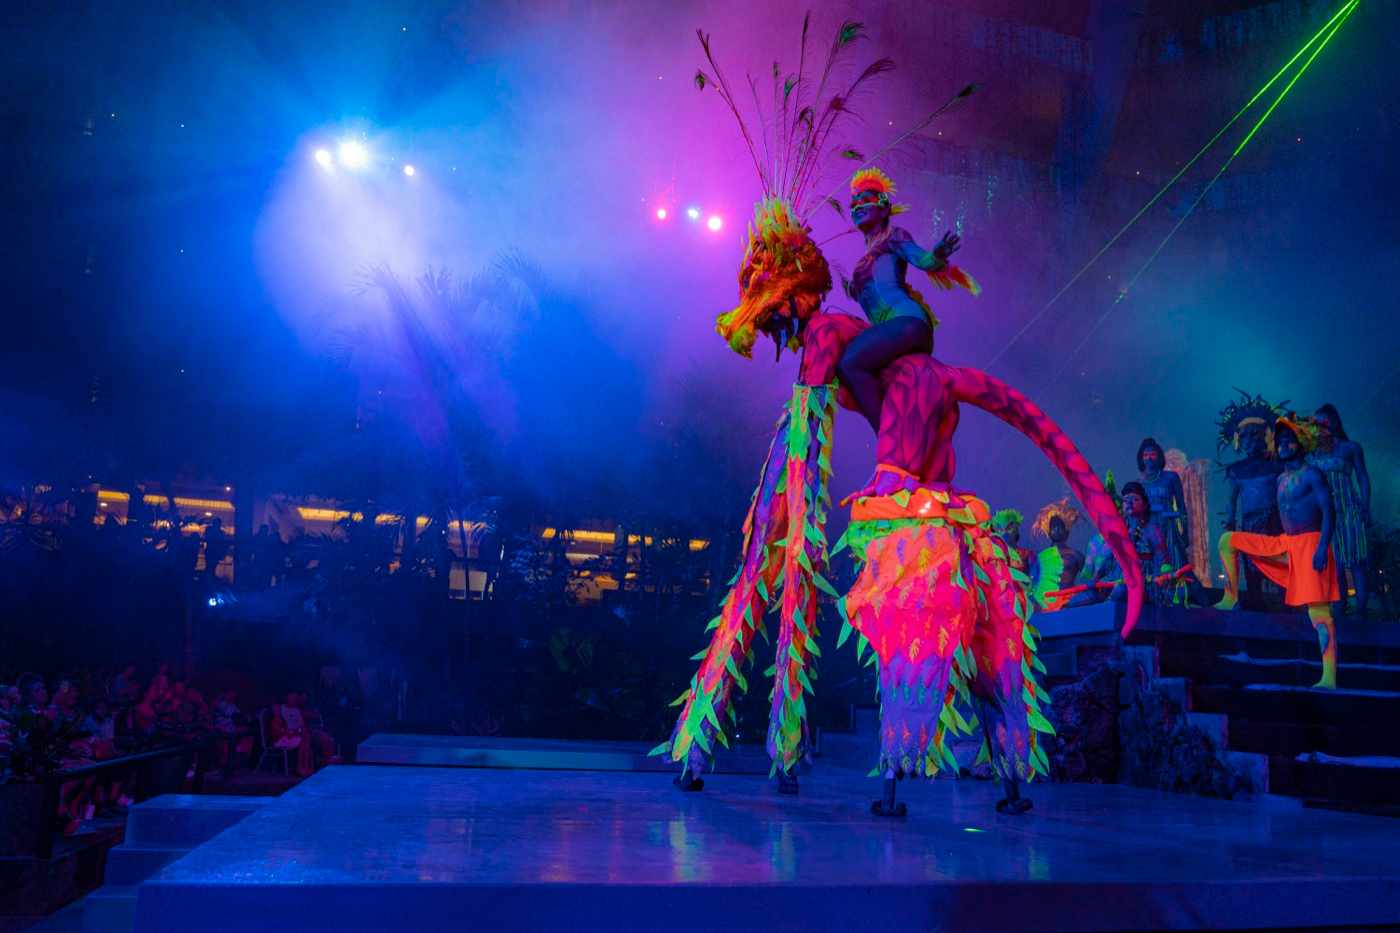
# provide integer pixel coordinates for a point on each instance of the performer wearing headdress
(1007, 524)
(937, 604)
(1343, 462)
(1059, 564)
(902, 322)
(1299, 559)
(1247, 427)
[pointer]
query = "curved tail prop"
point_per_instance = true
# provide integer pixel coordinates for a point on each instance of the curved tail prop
(997, 398)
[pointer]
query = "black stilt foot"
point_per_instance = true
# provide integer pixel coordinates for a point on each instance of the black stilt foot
(787, 783)
(886, 805)
(687, 781)
(1013, 804)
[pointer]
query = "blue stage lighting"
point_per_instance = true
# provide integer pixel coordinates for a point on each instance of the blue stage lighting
(353, 154)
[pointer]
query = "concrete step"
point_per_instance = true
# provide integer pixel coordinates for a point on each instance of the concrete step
(1214, 725)
(128, 864)
(1347, 738)
(176, 820)
(1365, 783)
(1251, 766)
(111, 909)
(1238, 669)
(1177, 689)
(1262, 703)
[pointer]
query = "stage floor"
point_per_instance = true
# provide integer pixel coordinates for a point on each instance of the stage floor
(402, 848)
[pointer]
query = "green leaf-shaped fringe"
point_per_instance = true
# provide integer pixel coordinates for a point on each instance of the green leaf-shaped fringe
(714, 623)
(844, 634)
(772, 669)
(700, 655)
(1037, 663)
(804, 681)
(981, 574)
(763, 630)
(1027, 638)
(723, 739)
(862, 646)
(685, 695)
(1039, 723)
(762, 589)
(870, 661)
(812, 647)
(703, 742)
(1027, 696)
(984, 755)
(793, 653)
(661, 749)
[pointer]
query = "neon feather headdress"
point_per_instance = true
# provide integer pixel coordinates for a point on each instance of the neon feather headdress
(1005, 518)
(1061, 509)
(1307, 430)
(1245, 411)
(873, 181)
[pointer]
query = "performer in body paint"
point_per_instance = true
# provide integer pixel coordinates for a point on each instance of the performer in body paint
(1300, 559)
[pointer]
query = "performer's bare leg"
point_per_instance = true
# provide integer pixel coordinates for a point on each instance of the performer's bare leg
(1321, 616)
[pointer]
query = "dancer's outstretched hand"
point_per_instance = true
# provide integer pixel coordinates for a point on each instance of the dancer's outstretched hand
(948, 245)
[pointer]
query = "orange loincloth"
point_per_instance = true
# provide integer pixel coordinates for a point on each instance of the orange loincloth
(1287, 560)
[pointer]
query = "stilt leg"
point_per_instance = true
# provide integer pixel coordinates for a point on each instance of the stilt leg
(1013, 803)
(886, 805)
(1230, 559)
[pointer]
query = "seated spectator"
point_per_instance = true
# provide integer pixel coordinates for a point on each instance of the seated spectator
(291, 730)
(100, 723)
(234, 738)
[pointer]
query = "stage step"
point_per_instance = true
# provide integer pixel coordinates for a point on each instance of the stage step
(1277, 703)
(111, 909)
(1349, 738)
(159, 832)
(1368, 784)
(1239, 669)
(129, 864)
(185, 820)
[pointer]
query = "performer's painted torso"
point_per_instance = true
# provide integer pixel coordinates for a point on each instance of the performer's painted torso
(880, 279)
(1298, 508)
(1256, 480)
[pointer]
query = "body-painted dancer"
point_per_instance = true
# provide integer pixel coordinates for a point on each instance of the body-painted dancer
(1299, 559)
(1343, 462)
(937, 604)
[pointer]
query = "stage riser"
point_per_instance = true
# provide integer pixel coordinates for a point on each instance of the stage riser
(968, 907)
(1297, 706)
(378, 848)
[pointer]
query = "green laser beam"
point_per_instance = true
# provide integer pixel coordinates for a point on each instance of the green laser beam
(1174, 179)
(1349, 9)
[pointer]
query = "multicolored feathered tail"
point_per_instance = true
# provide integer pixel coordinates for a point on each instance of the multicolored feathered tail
(950, 277)
(995, 397)
(784, 549)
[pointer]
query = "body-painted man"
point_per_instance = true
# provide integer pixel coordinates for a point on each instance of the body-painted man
(1246, 425)
(1343, 462)
(1299, 559)
(1058, 566)
(1167, 500)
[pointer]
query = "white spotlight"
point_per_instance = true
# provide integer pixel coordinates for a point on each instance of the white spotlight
(323, 158)
(714, 223)
(410, 171)
(353, 154)
(693, 213)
